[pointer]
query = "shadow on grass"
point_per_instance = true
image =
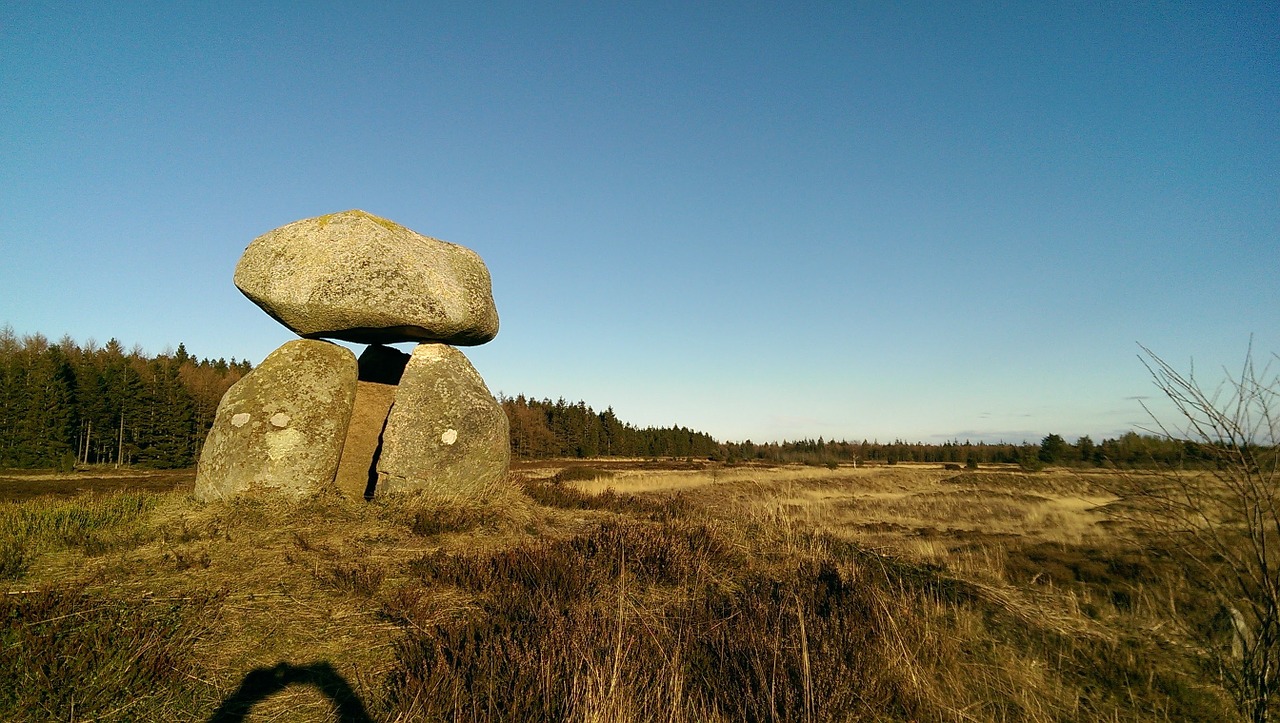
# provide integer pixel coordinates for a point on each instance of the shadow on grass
(262, 683)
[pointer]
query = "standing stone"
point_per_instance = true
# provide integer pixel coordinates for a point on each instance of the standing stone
(380, 370)
(282, 425)
(361, 278)
(446, 435)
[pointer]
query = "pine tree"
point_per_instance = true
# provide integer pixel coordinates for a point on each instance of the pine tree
(167, 423)
(47, 415)
(122, 390)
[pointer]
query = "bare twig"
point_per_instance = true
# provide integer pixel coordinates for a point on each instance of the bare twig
(1219, 513)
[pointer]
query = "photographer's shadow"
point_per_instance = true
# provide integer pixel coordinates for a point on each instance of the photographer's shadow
(262, 683)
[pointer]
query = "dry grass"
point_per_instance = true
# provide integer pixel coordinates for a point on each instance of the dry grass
(25, 484)
(605, 592)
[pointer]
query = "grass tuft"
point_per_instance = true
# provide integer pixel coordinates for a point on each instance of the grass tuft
(651, 507)
(92, 524)
(87, 656)
(580, 474)
(360, 577)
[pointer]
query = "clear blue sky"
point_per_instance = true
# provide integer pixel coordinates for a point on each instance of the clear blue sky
(762, 220)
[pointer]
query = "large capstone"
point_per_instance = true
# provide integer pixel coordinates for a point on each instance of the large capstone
(281, 426)
(361, 278)
(446, 435)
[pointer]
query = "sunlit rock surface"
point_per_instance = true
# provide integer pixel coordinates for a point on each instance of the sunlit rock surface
(361, 278)
(282, 426)
(446, 435)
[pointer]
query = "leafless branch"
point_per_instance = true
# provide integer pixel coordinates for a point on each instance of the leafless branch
(1220, 511)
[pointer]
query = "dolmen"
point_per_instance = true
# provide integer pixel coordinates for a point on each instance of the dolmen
(312, 416)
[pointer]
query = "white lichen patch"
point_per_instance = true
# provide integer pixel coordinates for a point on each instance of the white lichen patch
(284, 444)
(450, 436)
(430, 352)
(280, 419)
(241, 419)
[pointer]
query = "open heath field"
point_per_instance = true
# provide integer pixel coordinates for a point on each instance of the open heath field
(602, 590)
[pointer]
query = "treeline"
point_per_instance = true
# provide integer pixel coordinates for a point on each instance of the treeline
(62, 403)
(541, 429)
(1129, 450)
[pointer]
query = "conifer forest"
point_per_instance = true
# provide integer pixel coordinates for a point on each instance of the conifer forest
(65, 403)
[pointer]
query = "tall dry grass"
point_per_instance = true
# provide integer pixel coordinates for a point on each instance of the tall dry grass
(725, 594)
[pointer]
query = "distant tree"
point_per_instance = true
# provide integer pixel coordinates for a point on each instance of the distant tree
(165, 429)
(48, 422)
(62, 403)
(206, 383)
(614, 433)
(124, 390)
(12, 406)
(1085, 449)
(1052, 449)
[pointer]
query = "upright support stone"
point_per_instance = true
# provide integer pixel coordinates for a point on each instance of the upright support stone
(446, 435)
(380, 371)
(282, 426)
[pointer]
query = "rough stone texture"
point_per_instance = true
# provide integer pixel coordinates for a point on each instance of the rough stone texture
(380, 370)
(358, 277)
(360, 451)
(282, 426)
(446, 435)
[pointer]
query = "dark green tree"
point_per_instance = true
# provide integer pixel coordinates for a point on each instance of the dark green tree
(47, 425)
(1085, 449)
(1053, 449)
(167, 419)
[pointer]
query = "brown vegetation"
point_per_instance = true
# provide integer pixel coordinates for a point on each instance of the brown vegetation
(611, 591)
